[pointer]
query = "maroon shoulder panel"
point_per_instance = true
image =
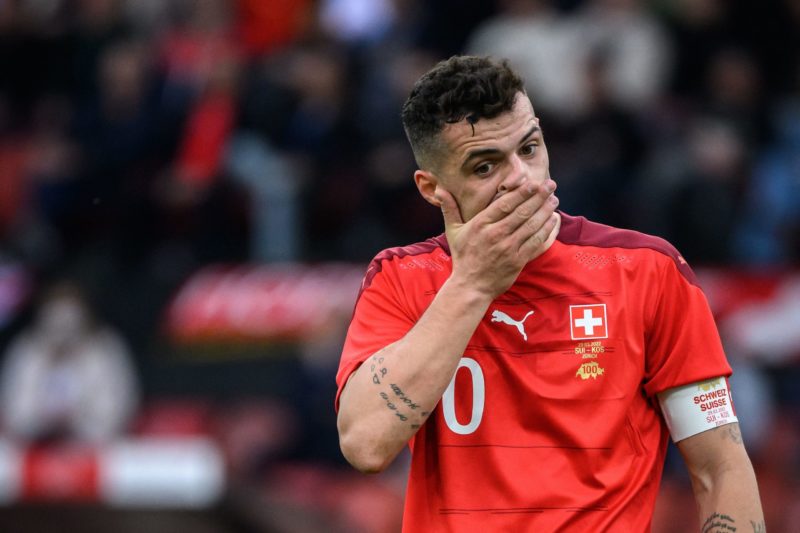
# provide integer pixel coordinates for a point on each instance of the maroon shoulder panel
(419, 248)
(582, 232)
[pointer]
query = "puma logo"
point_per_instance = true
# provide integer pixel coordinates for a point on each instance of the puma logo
(499, 316)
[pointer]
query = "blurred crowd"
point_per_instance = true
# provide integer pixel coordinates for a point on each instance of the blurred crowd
(141, 140)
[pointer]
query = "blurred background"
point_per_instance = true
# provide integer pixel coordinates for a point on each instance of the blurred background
(190, 191)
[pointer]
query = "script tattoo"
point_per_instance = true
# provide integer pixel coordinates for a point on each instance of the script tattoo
(379, 371)
(718, 523)
(393, 407)
(760, 527)
(403, 398)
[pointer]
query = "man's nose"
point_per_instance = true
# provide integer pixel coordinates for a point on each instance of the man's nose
(517, 175)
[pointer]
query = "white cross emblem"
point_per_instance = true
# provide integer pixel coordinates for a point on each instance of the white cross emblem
(588, 321)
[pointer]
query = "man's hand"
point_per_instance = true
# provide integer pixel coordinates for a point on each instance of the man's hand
(491, 249)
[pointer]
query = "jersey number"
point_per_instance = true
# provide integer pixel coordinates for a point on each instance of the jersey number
(478, 397)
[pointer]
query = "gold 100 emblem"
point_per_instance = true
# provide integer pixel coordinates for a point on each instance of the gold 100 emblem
(590, 370)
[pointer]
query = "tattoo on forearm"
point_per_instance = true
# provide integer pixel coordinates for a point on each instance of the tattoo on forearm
(377, 369)
(759, 527)
(718, 523)
(402, 396)
(393, 407)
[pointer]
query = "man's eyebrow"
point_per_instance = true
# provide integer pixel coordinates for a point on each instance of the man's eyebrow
(535, 128)
(474, 154)
(480, 152)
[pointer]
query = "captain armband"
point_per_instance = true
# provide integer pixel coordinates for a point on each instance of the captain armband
(697, 407)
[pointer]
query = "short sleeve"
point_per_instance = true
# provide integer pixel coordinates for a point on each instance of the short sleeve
(379, 319)
(682, 341)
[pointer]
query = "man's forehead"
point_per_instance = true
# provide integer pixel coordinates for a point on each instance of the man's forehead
(521, 115)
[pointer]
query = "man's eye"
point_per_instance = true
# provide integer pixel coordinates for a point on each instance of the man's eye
(484, 169)
(528, 149)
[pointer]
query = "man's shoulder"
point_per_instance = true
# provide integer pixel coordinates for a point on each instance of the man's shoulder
(428, 246)
(580, 231)
(427, 255)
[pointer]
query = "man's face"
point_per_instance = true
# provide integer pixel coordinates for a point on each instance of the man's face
(501, 154)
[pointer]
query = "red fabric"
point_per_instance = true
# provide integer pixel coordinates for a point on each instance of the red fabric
(266, 25)
(207, 133)
(14, 156)
(190, 57)
(60, 474)
(570, 437)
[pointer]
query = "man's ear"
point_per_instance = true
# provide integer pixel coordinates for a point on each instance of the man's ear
(427, 184)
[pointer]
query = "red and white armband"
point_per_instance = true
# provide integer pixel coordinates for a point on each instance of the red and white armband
(697, 407)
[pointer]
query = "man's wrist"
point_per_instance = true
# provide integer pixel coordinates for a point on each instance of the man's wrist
(468, 291)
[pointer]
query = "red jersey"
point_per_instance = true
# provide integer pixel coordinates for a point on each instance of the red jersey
(551, 421)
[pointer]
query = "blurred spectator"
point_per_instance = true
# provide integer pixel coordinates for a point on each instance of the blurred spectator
(699, 28)
(266, 26)
(357, 20)
(768, 233)
(53, 184)
(545, 47)
(118, 130)
(733, 92)
(274, 186)
(68, 377)
(14, 155)
(636, 48)
(597, 153)
(192, 50)
(98, 25)
(208, 128)
(705, 204)
(389, 76)
(553, 51)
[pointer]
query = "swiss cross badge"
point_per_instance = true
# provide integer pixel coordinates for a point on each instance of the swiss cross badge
(588, 322)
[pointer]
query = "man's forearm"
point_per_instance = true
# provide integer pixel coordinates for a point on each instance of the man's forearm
(726, 491)
(393, 392)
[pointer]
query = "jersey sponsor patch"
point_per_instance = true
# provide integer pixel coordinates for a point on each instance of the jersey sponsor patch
(697, 407)
(588, 322)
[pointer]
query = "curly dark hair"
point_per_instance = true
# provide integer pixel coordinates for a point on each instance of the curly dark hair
(462, 87)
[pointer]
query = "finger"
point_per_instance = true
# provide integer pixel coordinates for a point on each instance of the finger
(534, 223)
(450, 211)
(543, 203)
(532, 246)
(508, 202)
